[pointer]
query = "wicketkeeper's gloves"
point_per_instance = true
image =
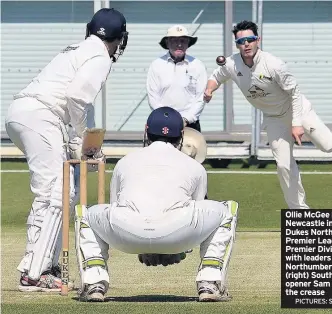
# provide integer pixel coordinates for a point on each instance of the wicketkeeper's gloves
(161, 259)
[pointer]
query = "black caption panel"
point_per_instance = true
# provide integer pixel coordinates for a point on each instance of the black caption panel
(306, 258)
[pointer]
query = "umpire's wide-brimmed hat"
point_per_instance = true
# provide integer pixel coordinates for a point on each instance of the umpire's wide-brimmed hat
(194, 144)
(177, 31)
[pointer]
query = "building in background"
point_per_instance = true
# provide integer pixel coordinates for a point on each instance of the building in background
(297, 31)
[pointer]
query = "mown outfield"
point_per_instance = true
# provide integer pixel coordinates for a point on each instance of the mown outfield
(254, 276)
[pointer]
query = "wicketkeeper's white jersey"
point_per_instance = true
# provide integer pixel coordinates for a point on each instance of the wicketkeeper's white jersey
(268, 85)
(72, 80)
(156, 179)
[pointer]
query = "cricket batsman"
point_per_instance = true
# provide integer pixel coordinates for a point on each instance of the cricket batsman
(157, 210)
(268, 85)
(37, 123)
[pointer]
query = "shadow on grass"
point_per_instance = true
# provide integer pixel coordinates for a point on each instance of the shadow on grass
(150, 298)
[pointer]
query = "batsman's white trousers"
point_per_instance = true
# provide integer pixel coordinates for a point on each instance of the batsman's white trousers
(279, 132)
(36, 131)
(205, 223)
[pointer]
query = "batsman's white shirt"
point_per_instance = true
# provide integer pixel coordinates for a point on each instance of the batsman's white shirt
(178, 85)
(267, 85)
(71, 81)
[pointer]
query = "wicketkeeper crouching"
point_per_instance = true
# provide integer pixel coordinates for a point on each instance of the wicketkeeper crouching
(158, 211)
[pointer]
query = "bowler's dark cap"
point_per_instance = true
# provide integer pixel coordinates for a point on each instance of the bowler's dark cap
(165, 121)
(107, 24)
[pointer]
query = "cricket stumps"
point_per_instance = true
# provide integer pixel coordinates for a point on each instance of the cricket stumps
(83, 201)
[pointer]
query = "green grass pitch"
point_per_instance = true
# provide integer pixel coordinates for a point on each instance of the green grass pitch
(254, 275)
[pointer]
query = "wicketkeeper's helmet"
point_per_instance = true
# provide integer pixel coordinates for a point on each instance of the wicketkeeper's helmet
(164, 122)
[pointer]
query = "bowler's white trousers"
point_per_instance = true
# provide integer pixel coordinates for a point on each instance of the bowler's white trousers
(37, 132)
(205, 223)
(279, 132)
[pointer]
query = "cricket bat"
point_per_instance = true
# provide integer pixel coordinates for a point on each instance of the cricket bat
(92, 141)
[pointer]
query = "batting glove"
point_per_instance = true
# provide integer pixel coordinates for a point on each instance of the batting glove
(75, 148)
(98, 156)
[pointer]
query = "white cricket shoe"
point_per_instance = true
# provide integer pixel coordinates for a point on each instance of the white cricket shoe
(211, 291)
(46, 283)
(93, 293)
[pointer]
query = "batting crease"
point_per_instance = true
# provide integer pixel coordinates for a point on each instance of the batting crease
(208, 171)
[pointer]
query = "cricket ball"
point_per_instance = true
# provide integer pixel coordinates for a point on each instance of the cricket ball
(221, 60)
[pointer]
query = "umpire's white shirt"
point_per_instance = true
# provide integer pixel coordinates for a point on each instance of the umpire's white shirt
(178, 85)
(71, 81)
(157, 179)
(267, 85)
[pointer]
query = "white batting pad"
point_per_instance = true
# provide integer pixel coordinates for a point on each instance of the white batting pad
(43, 252)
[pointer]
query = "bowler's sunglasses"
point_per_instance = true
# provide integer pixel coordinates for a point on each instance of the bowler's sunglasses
(249, 39)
